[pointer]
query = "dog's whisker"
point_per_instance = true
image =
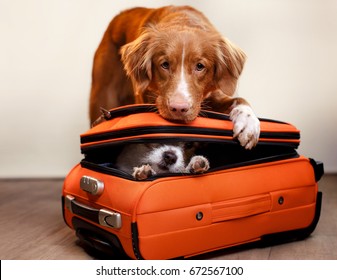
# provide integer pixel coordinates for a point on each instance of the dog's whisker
(151, 97)
(202, 114)
(205, 106)
(154, 109)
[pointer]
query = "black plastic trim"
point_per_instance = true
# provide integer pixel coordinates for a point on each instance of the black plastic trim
(99, 239)
(318, 168)
(135, 241)
(63, 209)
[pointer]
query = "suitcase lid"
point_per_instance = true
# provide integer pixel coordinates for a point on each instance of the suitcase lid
(139, 123)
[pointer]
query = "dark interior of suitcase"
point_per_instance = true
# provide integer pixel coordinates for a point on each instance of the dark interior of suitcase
(221, 155)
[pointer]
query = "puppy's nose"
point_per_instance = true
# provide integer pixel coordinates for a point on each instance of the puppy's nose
(169, 157)
(179, 107)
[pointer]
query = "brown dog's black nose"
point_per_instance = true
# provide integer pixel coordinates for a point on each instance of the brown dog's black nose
(169, 157)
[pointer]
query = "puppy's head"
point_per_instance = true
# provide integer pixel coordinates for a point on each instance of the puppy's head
(178, 68)
(169, 158)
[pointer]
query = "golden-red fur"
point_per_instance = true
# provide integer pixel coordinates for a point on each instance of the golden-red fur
(171, 56)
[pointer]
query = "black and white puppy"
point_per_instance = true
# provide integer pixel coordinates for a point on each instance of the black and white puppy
(145, 160)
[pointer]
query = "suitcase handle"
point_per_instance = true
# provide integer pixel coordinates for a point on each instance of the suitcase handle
(240, 208)
(102, 217)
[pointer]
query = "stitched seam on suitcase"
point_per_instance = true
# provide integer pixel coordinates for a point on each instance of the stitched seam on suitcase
(240, 208)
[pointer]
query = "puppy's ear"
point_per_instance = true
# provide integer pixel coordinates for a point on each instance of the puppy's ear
(229, 65)
(137, 59)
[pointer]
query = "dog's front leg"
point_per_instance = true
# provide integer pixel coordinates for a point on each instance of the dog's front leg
(197, 165)
(143, 172)
(246, 125)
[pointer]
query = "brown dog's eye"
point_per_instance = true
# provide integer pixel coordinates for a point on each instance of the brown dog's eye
(165, 65)
(200, 67)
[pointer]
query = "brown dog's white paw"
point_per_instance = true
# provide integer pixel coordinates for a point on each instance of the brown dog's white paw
(197, 165)
(246, 126)
(143, 172)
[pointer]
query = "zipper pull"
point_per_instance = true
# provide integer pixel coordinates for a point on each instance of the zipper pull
(105, 116)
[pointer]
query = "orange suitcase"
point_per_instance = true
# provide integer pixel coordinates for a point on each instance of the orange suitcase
(263, 196)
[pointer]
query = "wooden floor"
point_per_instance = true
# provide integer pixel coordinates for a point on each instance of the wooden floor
(32, 227)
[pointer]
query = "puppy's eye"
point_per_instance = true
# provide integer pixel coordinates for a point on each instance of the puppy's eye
(165, 65)
(189, 145)
(200, 67)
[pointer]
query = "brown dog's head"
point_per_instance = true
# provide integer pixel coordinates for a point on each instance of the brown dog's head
(177, 68)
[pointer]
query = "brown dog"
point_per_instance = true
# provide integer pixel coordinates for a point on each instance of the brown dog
(176, 59)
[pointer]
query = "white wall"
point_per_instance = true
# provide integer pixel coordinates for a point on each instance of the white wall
(46, 52)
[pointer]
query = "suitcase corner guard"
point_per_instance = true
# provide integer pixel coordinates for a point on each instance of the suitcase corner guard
(318, 167)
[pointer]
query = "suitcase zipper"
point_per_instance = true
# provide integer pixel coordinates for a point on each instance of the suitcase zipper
(87, 148)
(139, 131)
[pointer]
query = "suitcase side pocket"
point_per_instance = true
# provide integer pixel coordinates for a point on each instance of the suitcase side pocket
(240, 208)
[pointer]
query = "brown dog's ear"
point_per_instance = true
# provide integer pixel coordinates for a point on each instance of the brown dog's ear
(229, 65)
(137, 59)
